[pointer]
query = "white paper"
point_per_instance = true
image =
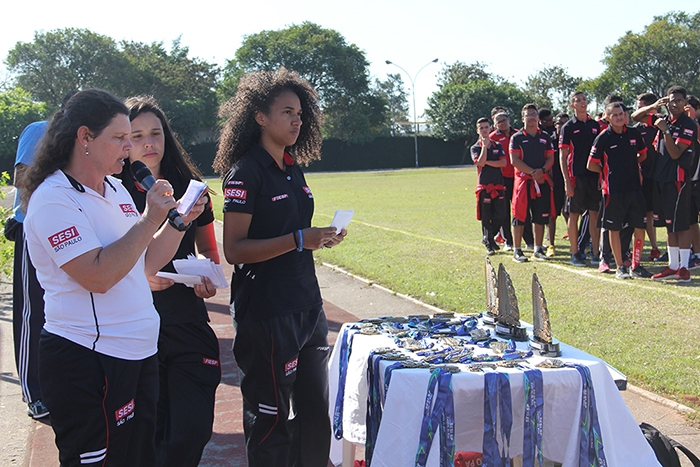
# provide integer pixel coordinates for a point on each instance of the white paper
(202, 267)
(186, 279)
(341, 219)
(194, 191)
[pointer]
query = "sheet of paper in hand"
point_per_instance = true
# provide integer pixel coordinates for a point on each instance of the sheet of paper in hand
(341, 219)
(194, 191)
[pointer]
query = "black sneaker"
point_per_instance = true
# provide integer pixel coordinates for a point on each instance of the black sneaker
(490, 251)
(577, 260)
(518, 256)
(37, 410)
(622, 273)
(640, 272)
(694, 262)
(540, 254)
(662, 259)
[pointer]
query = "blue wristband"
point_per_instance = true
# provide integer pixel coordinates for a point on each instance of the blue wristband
(300, 246)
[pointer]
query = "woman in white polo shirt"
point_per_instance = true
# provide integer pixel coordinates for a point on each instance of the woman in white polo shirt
(92, 251)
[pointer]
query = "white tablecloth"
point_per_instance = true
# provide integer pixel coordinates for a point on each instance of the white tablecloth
(398, 436)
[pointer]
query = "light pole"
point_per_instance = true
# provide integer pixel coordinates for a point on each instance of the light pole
(413, 91)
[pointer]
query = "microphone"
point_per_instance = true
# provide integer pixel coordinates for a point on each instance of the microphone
(143, 175)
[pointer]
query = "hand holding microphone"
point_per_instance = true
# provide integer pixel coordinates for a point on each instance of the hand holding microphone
(143, 175)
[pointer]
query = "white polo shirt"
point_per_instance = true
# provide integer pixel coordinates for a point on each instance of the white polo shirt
(65, 220)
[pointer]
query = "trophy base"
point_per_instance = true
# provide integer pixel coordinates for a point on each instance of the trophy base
(517, 333)
(489, 319)
(545, 349)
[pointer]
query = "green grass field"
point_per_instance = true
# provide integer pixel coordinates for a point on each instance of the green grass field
(415, 232)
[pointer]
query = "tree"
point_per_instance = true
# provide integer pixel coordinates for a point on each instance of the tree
(551, 87)
(66, 59)
(666, 53)
(464, 73)
(393, 91)
(184, 86)
(463, 99)
(17, 110)
(337, 70)
(60, 61)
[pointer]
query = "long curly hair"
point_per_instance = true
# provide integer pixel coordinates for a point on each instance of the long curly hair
(175, 160)
(92, 108)
(256, 92)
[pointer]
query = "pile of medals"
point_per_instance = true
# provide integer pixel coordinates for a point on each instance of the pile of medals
(442, 341)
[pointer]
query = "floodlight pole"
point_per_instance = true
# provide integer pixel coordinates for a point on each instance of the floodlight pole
(413, 91)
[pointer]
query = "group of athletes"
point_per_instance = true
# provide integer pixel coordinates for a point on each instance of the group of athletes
(122, 360)
(612, 181)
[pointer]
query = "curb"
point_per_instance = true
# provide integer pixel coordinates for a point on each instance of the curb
(660, 400)
(369, 283)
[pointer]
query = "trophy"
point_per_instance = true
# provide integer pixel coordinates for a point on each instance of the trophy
(541, 341)
(508, 324)
(491, 315)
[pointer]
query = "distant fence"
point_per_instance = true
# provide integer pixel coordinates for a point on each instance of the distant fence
(381, 153)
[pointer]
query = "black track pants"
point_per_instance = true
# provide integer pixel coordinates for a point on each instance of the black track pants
(189, 372)
(284, 362)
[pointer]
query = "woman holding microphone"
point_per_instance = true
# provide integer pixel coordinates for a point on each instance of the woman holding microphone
(92, 251)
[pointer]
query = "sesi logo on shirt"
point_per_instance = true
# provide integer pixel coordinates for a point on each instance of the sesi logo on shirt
(235, 193)
(129, 210)
(64, 238)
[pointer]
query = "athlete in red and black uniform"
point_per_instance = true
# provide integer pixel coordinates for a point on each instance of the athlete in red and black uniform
(693, 110)
(532, 155)
(547, 125)
(675, 145)
(649, 134)
(492, 207)
(502, 135)
(614, 154)
(581, 185)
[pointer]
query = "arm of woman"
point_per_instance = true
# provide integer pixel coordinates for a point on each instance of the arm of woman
(205, 240)
(98, 270)
(166, 242)
(238, 248)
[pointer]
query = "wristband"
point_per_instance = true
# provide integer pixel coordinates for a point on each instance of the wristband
(667, 131)
(174, 226)
(300, 245)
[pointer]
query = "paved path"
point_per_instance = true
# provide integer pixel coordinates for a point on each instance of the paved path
(28, 443)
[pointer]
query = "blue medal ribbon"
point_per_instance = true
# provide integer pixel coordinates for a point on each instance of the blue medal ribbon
(438, 413)
(374, 405)
(497, 402)
(447, 426)
(345, 349)
(591, 453)
(375, 401)
(534, 421)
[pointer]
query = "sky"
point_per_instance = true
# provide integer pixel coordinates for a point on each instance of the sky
(514, 38)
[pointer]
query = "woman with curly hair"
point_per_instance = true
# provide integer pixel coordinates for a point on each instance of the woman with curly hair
(92, 251)
(188, 350)
(273, 123)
